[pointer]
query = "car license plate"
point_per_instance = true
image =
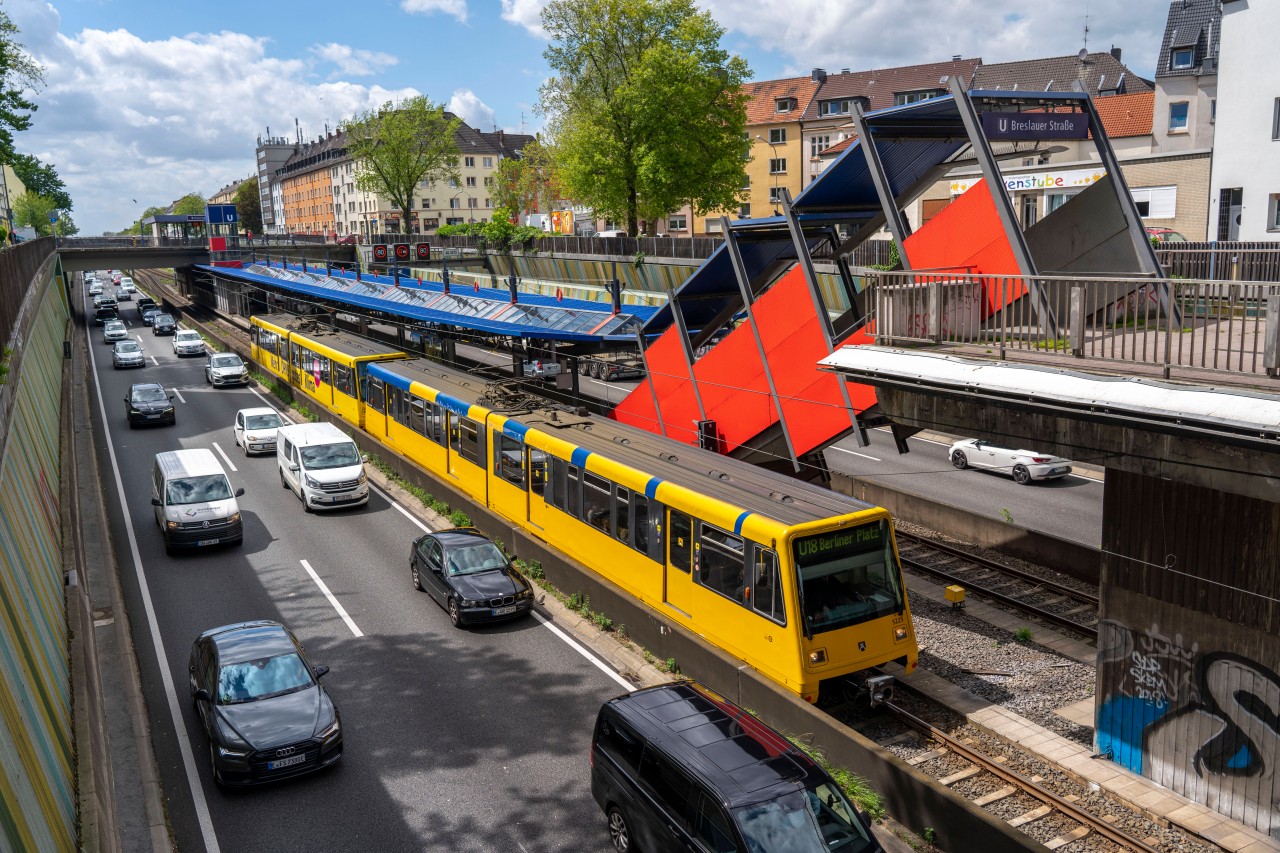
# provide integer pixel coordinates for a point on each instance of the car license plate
(503, 611)
(208, 542)
(152, 417)
(1062, 470)
(286, 762)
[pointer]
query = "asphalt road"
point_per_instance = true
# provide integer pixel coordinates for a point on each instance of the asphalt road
(472, 740)
(1069, 507)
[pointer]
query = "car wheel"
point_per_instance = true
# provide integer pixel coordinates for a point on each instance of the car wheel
(207, 380)
(417, 581)
(1021, 475)
(959, 460)
(284, 484)
(213, 764)
(619, 831)
(455, 613)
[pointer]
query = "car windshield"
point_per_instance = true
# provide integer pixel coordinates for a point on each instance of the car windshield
(188, 336)
(197, 490)
(115, 327)
(271, 421)
(262, 679)
(150, 394)
(472, 559)
(163, 318)
(848, 576)
(128, 346)
(226, 361)
(320, 456)
(813, 821)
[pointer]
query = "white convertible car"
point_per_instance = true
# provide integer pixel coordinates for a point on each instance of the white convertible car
(1023, 465)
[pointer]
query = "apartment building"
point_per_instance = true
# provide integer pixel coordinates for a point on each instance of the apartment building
(1187, 76)
(272, 152)
(306, 188)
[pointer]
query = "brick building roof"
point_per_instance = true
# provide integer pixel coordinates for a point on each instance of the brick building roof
(879, 86)
(1098, 74)
(1126, 115)
(764, 95)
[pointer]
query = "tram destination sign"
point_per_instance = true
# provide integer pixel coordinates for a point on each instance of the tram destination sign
(1035, 125)
(840, 543)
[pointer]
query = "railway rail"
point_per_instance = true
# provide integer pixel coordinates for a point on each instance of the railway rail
(1050, 602)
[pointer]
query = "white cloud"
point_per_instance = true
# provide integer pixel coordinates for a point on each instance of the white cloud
(124, 118)
(353, 61)
(525, 13)
(475, 112)
(457, 8)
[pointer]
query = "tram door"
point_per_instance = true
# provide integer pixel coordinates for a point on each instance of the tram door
(682, 556)
(536, 477)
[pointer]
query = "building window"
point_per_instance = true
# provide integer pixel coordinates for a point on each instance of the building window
(455, 203)
(676, 223)
(1156, 202)
(818, 144)
(778, 166)
(1273, 215)
(835, 108)
(1213, 111)
(744, 211)
(746, 181)
(900, 98)
(471, 202)
(1178, 117)
(777, 135)
(471, 180)
(775, 195)
(1183, 57)
(488, 162)
(469, 162)
(453, 220)
(783, 105)
(1275, 120)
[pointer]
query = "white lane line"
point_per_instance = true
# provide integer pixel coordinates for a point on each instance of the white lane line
(207, 832)
(153, 360)
(856, 453)
(223, 454)
(176, 391)
(573, 644)
(355, 629)
(401, 509)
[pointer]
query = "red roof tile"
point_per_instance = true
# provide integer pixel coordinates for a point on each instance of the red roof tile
(1126, 115)
(764, 94)
(879, 86)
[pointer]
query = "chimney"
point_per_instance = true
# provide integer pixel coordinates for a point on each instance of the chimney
(955, 57)
(819, 75)
(844, 70)
(1115, 52)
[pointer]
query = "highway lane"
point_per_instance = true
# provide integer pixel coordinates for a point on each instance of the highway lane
(460, 740)
(1069, 507)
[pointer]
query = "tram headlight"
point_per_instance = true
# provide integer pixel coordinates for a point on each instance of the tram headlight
(818, 656)
(899, 634)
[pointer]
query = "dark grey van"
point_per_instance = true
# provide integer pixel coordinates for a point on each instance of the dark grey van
(680, 768)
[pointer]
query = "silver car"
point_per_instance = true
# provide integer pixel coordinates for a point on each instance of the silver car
(114, 330)
(128, 353)
(226, 368)
(1023, 465)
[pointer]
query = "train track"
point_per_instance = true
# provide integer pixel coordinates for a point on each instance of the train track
(1012, 587)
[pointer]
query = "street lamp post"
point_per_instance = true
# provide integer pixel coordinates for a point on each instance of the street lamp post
(773, 149)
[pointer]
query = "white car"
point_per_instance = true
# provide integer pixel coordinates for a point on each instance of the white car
(114, 330)
(1024, 465)
(127, 285)
(95, 289)
(188, 342)
(226, 368)
(255, 430)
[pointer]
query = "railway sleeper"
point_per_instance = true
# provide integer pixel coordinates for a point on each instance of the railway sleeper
(1067, 837)
(927, 756)
(960, 776)
(995, 796)
(1028, 817)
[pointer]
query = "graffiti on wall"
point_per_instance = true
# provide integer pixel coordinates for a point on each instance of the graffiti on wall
(1205, 724)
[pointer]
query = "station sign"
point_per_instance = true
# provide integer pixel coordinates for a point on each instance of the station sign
(221, 214)
(1000, 125)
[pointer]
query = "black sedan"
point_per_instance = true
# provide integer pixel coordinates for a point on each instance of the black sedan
(469, 576)
(261, 704)
(148, 403)
(163, 324)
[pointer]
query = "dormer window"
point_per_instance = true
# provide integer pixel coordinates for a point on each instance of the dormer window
(900, 98)
(1182, 57)
(784, 105)
(836, 108)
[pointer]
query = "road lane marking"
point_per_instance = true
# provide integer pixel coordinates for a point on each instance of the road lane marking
(573, 644)
(223, 454)
(153, 360)
(856, 453)
(402, 510)
(337, 605)
(207, 832)
(176, 391)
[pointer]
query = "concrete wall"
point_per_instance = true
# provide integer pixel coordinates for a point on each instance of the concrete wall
(37, 752)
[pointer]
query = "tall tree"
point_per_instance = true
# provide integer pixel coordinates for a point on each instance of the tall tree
(401, 145)
(528, 183)
(249, 207)
(19, 74)
(191, 204)
(66, 225)
(646, 110)
(33, 210)
(41, 179)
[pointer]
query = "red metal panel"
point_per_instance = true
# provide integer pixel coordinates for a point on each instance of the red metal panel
(669, 375)
(735, 391)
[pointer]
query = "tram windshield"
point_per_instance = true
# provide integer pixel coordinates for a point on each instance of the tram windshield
(848, 576)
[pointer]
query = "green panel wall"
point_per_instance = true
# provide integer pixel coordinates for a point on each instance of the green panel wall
(37, 761)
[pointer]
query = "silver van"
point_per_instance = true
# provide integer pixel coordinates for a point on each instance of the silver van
(321, 465)
(194, 503)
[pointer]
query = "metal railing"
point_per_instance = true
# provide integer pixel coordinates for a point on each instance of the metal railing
(1197, 325)
(1234, 261)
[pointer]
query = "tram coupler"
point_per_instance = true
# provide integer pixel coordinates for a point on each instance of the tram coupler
(881, 689)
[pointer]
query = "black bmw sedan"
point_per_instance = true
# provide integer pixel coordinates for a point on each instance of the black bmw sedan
(261, 704)
(469, 576)
(149, 403)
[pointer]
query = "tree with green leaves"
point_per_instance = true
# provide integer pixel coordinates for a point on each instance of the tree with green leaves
(66, 225)
(527, 183)
(41, 179)
(19, 75)
(401, 145)
(646, 110)
(249, 207)
(33, 210)
(191, 204)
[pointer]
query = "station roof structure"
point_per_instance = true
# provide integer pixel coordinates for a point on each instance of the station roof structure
(487, 310)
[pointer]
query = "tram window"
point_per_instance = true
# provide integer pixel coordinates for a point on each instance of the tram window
(721, 566)
(641, 522)
(508, 459)
(268, 341)
(622, 513)
(342, 380)
(395, 406)
(537, 470)
(595, 501)
(680, 528)
(555, 482)
(573, 494)
(295, 353)
(466, 439)
(377, 396)
(417, 416)
(433, 422)
(765, 591)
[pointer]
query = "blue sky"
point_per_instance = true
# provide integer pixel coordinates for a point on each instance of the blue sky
(151, 100)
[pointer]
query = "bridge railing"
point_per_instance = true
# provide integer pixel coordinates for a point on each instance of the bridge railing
(1207, 325)
(1228, 261)
(18, 267)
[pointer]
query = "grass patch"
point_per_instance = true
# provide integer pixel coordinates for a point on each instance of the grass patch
(1053, 344)
(5, 358)
(1022, 635)
(456, 516)
(856, 788)
(278, 389)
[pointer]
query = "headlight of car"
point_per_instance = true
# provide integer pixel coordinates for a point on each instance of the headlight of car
(168, 409)
(362, 479)
(330, 731)
(311, 482)
(173, 525)
(524, 593)
(233, 518)
(466, 602)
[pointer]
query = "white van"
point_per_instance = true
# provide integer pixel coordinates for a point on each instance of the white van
(194, 504)
(321, 465)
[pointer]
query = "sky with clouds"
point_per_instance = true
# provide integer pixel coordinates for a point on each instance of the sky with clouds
(152, 100)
